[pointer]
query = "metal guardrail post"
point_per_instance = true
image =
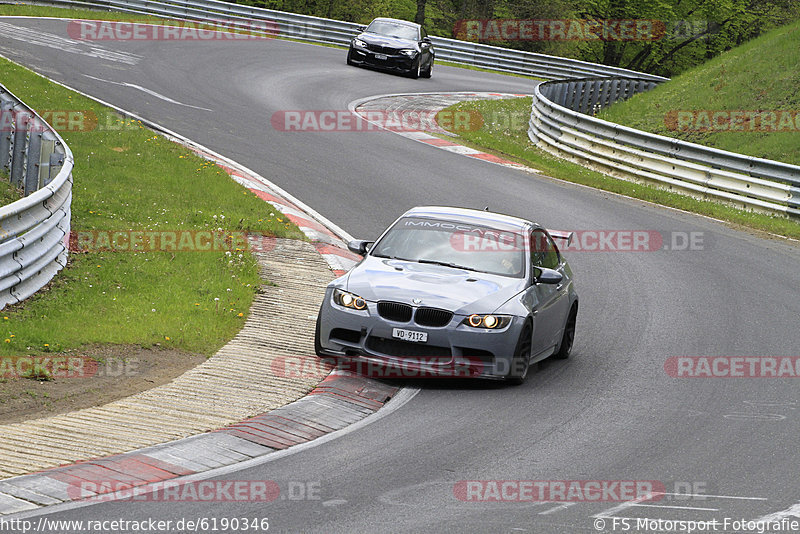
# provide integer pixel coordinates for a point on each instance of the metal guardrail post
(21, 120)
(6, 107)
(56, 162)
(34, 153)
(48, 147)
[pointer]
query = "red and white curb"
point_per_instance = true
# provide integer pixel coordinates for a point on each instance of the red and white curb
(430, 103)
(330, 245)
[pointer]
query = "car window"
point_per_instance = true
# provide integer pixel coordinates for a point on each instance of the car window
(543, 251)
(390, 29)
(477, 248)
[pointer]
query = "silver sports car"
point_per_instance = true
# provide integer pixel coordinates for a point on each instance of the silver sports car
(451, 292)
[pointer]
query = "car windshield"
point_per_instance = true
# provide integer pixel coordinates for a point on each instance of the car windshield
(459, 245)
(390, 29)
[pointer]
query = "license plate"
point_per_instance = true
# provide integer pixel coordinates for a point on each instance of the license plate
(380, 56)
(414, 336)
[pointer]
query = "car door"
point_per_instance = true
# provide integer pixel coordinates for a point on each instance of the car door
(552, 299)
(425, 47)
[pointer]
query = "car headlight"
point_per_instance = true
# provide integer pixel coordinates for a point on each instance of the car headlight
(410, 52)
(493, 322)
(349, 300)
(359, 43)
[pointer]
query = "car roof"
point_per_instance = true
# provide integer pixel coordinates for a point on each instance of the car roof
(470, 216)
(396, 21)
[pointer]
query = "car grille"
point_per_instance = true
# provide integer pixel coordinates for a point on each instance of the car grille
(382, 49)
(394, 311)
(406, 349)
(433, 317)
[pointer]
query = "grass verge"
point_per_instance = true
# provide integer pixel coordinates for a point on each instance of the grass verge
(505, 131)
(127, 178)
(744, 100)
(8, 193)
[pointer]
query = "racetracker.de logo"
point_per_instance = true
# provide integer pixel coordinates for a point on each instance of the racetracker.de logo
(209, 30)
(559, 30)
(48, 367)
(557, 490)
(168, 241)
(733, 366)
(173, 491)
(332, 120)
(707, 120)
(487, 240)
(290, 366)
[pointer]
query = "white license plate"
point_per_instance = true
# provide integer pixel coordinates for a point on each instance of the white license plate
(380, 56)
(410, 335)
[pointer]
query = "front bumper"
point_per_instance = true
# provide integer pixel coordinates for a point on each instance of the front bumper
(393, 62)
(362, 341)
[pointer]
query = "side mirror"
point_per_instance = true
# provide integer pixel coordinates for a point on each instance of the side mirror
(360, 246)
(361, 28)
(426, 39)
(546, 276)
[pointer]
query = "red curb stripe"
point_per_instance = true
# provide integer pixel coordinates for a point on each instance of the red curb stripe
(253, 427)
(128, 465)
(273, 430)
(261, 440)
(301, 433)
(438, 142)
(164, 466)
(352, 399)
(315, 426)
(490, 157)
(308, 223)
(327, 248)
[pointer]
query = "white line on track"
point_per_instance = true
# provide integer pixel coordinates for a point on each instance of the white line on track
(557, 508)
(148, 91)
(676, 507)
(705, 495)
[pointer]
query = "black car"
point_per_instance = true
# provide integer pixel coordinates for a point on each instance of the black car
(395, 45)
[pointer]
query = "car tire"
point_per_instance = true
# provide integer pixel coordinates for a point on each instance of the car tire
(350, 58)
(427, 72)
(567, 339)
(317, 344)
(520, 362)
(415, 69)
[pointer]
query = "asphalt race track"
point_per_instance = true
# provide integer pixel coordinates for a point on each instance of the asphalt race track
(609, 413)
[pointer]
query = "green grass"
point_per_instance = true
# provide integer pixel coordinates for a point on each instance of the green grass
(128, 178)
(504, 132)
(8, 193)
(761, 75)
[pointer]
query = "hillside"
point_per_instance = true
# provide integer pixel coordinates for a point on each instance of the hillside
(745, 100)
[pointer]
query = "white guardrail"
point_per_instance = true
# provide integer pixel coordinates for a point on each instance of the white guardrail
(561, 124)
(33, 230)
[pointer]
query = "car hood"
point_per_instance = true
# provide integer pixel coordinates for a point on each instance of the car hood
(457, 290)
(384, 40)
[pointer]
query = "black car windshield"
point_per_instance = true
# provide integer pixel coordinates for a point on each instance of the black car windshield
(436, 241)
(390, 29)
